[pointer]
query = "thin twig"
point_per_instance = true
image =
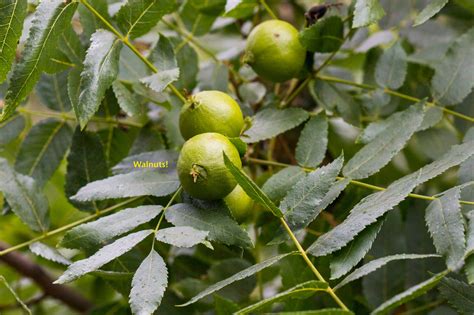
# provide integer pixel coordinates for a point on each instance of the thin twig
(394, 93)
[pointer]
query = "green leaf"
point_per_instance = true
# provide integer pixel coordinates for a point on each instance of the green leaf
(252, 93)
(239, 145)
(43, 149)
(103, 256)
(446, 225)
(302, 203)
(127, 99)
(376, 264)
(251, 188)
(12, 15)
(454, 74)
(164, 60)
(367, 12)
(182, 236)
(100, 71)
(470, 233)
(224, 306)
(313, 141)
(89, 21)
(236, 277)
(188, 64)
(128, 164)
(429, 11)
(240, 8)
(369, 209)
(378, 153)
(140, 183)
(391, 68)
(53, 92)
(24, 197)
(220, 226)
(85, 164)
(409, 294)
(11, 128)
(277, 186)
(331, 98)
(138, 17)
(323, 36)
(71, 46)
(345, 259)
(48, 253)
(131, 67)
(300, 291)
(469, 269)
(49, 21)
(148, 284)
(198, 16)
(271, 122)
(459, 294)
(99, 232)
(432, 116)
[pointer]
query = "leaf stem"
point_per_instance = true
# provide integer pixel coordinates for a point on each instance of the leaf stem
(68, 226)
(167, 206)
(354, 182)
(311, 265)
(394, 93)
(268, 9)
(68, 116)
(127, 42)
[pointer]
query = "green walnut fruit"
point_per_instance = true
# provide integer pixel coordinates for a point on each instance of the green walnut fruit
(240, 204)
(201, 167)
(274, 51)
(211, 111)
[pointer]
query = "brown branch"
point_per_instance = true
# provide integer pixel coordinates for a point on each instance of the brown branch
(29, 269)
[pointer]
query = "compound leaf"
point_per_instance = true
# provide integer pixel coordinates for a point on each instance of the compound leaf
(369, 209)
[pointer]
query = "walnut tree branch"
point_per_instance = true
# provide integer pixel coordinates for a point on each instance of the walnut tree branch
(44, 280)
